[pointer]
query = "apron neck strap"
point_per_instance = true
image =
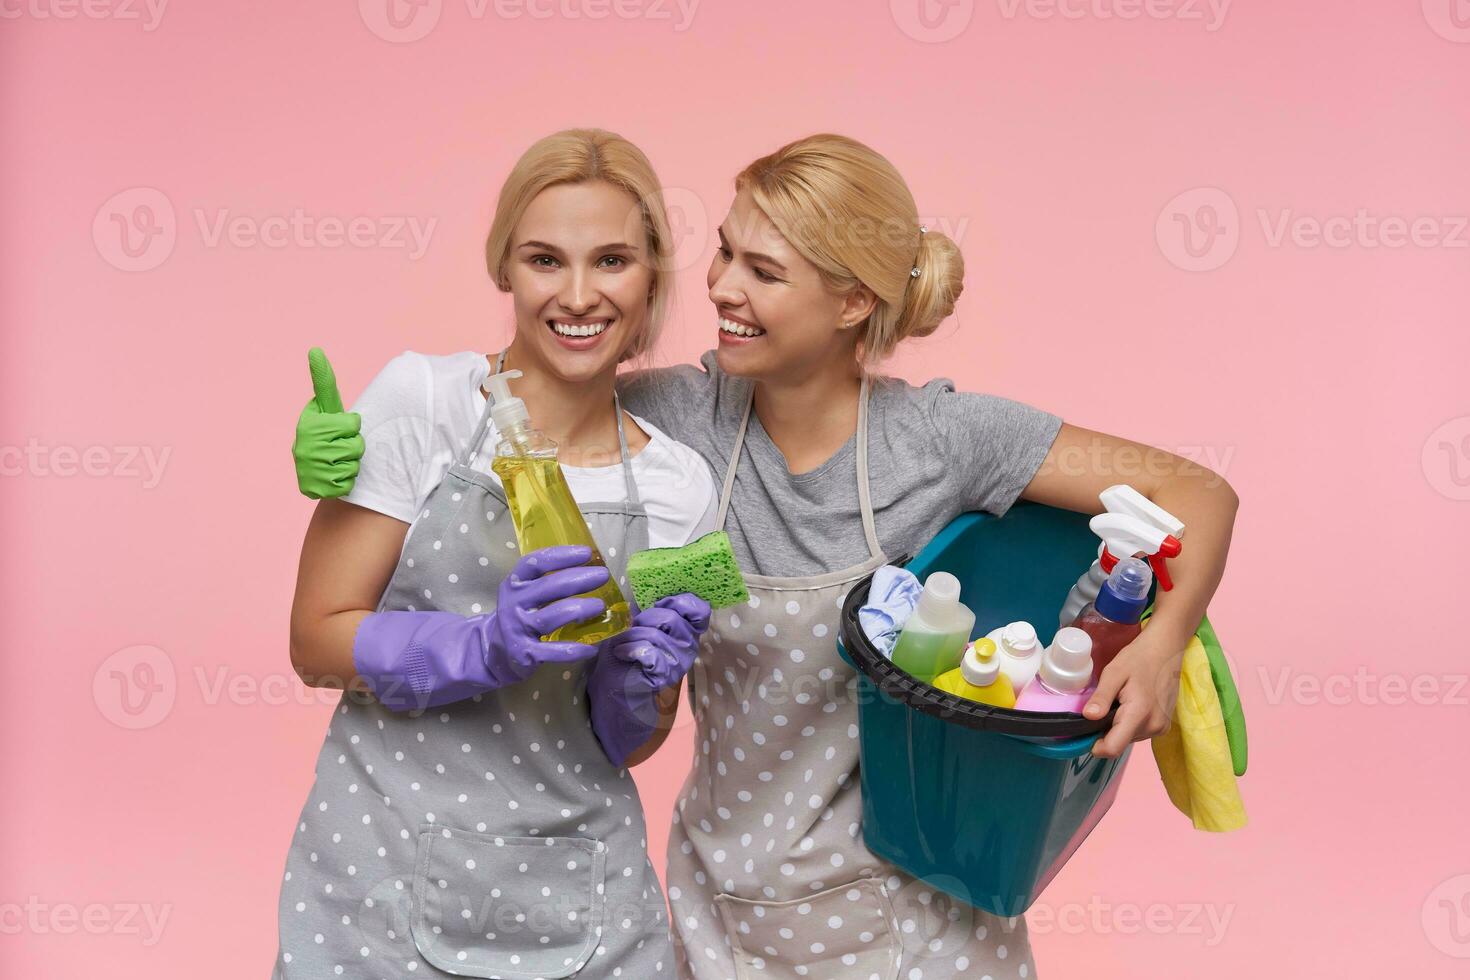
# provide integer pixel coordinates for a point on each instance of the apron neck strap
(483, 425)
(865, 500)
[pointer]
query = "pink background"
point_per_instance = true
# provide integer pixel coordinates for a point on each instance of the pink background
(1327, 381)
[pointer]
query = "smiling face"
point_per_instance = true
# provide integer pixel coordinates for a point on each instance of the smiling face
(778, 318)
(580, 273)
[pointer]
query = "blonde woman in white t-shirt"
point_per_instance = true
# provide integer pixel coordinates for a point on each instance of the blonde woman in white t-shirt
(472, 812)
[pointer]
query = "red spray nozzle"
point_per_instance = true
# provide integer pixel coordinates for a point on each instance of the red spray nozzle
(1170, 548)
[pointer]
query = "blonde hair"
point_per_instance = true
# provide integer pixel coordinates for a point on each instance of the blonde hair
(575, 156)
(847, 210)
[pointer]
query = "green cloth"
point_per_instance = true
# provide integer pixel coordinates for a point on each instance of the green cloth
(1230, 708)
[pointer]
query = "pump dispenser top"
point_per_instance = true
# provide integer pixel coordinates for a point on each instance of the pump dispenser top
(507, 411)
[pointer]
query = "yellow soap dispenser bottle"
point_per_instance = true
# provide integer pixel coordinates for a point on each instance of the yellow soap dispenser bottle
(979, 677)
(542, 506)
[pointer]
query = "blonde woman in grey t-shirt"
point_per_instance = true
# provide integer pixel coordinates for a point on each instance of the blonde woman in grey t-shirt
(823, 269)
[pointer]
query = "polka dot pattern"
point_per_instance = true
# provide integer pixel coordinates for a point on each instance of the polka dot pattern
(781, 886)
(486, 837)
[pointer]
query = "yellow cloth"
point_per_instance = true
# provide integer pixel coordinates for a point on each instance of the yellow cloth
(1194, 754)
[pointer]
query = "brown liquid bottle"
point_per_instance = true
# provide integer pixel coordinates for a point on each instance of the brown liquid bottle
(1112, 619)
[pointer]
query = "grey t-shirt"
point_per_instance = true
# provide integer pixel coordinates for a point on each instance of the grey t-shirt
(933, 453)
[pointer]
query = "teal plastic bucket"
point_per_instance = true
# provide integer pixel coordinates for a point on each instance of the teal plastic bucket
(983, 803)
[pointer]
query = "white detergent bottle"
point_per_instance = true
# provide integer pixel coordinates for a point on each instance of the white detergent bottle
(935, 635)
(1018, 651)
(1132, 525)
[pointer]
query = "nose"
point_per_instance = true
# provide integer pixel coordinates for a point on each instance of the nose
(578, 296)
(724, 285)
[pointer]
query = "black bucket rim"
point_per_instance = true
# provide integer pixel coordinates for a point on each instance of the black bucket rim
(901, 686)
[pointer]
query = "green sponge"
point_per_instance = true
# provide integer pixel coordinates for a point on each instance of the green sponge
(705, 567)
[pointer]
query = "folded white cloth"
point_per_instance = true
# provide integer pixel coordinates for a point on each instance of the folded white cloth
(891, 600)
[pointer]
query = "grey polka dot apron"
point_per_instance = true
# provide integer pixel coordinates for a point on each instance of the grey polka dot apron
(486, 838)
(768, 875)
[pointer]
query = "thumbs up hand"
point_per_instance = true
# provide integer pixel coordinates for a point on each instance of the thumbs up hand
(328, 446)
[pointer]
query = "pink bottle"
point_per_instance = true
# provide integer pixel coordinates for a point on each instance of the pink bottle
(1064, 680)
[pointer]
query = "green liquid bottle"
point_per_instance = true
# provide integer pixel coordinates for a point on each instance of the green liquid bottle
(936, 633)
(542, 506)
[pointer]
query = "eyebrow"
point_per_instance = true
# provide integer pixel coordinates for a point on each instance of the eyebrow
(758, 256)
(614, 246)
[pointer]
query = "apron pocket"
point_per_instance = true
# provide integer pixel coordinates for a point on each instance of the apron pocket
(843, 933)
(493, 906)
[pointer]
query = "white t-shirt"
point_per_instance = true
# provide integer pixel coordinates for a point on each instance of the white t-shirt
(422, 409)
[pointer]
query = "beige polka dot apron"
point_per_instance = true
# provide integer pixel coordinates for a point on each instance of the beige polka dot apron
(486, 838)
(768, 875)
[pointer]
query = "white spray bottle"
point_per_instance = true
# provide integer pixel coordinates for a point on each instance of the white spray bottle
(1132, 525)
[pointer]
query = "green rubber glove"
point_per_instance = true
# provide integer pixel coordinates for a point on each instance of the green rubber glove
(328, 446)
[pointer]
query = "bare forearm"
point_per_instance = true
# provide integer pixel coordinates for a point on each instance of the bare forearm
(1207, 505)
(321, 650)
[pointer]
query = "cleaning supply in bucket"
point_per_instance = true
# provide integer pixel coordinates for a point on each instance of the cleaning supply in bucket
(979, 677)
(891, 600)
(705, 567)
(1112, 618)
(1064, 680)
(936, 634)
(1131, 525)
(542, 506)
(1018, 650)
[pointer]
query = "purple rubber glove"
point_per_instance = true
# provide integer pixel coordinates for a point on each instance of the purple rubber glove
(424, 659)
(654, 653)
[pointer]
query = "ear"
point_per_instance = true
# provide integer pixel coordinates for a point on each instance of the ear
(858, 305)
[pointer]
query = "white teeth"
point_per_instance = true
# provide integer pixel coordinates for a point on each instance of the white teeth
(580, 329)
(739, 329)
